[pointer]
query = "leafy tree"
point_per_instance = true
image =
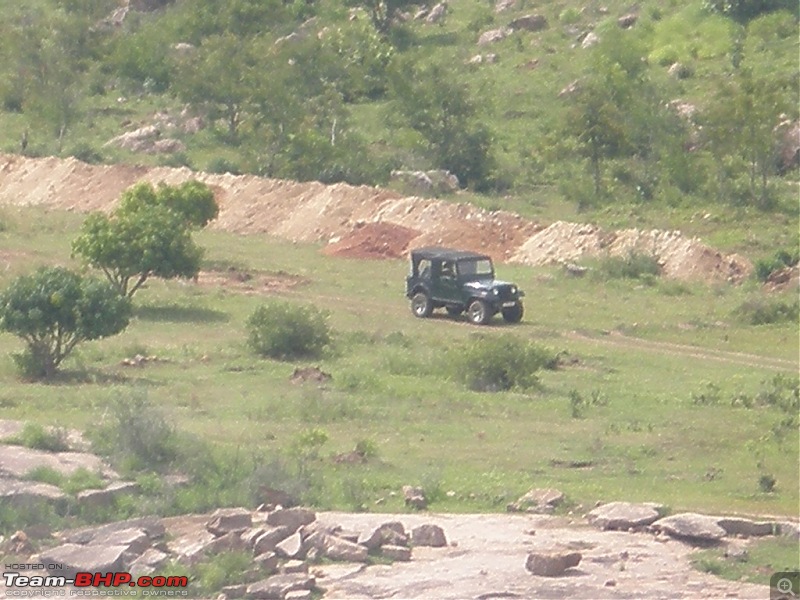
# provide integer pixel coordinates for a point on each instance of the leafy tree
(739, 130)
(207, 78)
(53, 310)
(130, 247)
(441, 110)
(382, 12)
(193, 201)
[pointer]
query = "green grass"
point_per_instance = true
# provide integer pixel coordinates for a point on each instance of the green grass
(763, 559)
(645, 350)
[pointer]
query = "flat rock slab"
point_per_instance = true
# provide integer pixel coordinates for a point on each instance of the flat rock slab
(74, 558)
(691, 527)
(489, 561)
(16, 461)
(25, 493)
(624, 515)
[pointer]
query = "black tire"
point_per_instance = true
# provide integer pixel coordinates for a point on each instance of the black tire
(454, 311)
(421, 305)
(478, 312)
(513, 314)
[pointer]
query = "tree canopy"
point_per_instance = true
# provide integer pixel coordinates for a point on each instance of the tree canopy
(55, 309)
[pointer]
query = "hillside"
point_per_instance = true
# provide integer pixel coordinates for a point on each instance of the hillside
(364, 222)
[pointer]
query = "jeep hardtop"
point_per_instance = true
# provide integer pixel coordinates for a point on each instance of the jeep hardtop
(460, 281)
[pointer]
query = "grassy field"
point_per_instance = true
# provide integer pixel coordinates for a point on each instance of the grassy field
(663, 392)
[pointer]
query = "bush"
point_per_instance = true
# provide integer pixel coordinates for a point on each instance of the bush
(491, 364)
(35, 436)
(632, 266)
(781, 259)
(285, 331)
(763, 312)
(137, 434)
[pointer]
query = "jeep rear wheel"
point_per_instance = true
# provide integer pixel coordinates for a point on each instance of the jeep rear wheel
(478, 312)
(513, 314)
(421, 305)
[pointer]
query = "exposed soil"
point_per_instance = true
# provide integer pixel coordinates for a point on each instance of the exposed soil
(250, 282)
(361, 221)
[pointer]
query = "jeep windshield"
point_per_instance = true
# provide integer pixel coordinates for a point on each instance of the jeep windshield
(476, 269)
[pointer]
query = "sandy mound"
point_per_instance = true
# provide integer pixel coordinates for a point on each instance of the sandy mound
(361, 221)
(680, 257)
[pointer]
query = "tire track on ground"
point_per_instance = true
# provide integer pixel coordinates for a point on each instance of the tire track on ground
(617, 340)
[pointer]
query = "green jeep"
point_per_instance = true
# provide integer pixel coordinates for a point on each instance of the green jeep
(460, 281)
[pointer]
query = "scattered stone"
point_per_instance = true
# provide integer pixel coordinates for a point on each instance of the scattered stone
(415, 497)
(18, 543)
(294, 566)
(494, 35)
(234, 591)
(314, 374)
(69, 559)
(627, 21)
(278, 586)
(148, 562)
(152, 526)
(590, 40)
(537, 501)
(680, 71)
(691, 527)
(529, 23)
(392, 533)
(298, 595)
(428, 535)
(267, 561)
(291, 547)
(134, 539)
(437, 14)
(746, 527)
(551, 564)
(624, 515)
(610, 583)
(736, 552)
(293, 518)
(504, 5)
(226, 520)
(398, 553)
(104, 498)
(336, 548)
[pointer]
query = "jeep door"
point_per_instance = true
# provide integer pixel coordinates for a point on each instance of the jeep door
(447, 288)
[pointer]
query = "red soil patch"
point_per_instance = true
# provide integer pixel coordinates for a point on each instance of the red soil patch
(373, 240)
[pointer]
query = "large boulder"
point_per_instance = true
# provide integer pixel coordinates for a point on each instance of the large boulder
(269, 539)
(152, 526)
(28, 493)
(529, 23)
(70, 559)
(278, 586)
(225, 520)
(537, 500)
(428, 535)
(293, 518)
(691, 527)
(104, 498)
(551, 564)
(624, 515)
(746, 527)
(392, 533)
(494, 35)
(291, 547)
(337, 548)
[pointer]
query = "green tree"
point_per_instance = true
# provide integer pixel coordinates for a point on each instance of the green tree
(53, 310)
(192, 200)
(130, 247)
(382, 12)
(208, 79)
(441, 110)
(739, 127)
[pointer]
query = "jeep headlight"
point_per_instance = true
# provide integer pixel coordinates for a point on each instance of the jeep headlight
(496, 292)
(513, 289)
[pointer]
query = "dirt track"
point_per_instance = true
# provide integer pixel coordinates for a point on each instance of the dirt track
(362, 222)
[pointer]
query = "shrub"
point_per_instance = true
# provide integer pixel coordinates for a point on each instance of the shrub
(285, 331)
(35, 436)
(781, 259)
(760, 311)
(490, 364)
(634, 265)
(137, 434)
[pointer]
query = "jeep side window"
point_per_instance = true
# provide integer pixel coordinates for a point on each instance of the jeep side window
(448, 270)
(425, 269)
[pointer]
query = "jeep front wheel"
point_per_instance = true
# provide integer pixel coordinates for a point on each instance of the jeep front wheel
(513, 314)
(478, 312)
(421, 305)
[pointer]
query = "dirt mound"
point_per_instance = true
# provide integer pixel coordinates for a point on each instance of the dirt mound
(373, 240)
(361, 221)
(787, 278)
(680, 257)
(250, 282)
